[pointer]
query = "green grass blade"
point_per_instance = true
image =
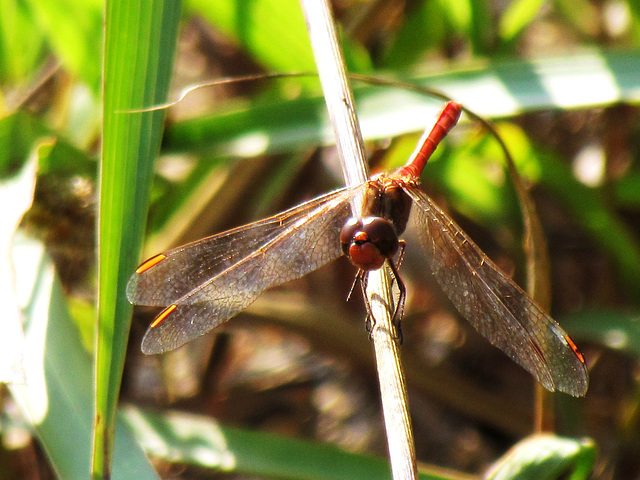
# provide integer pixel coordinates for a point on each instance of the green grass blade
(70, 27)
(499, 88)
(273, 32)
(617, 329)
(58, 396)
(201, 441)
(517, 16)
(17, 33)
(138, 59)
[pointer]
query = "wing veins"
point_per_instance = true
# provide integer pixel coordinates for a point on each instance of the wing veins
(481, 278)
(232, 290)
(189, 266)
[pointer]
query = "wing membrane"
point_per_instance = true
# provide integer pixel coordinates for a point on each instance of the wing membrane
(236, 267)
(187, 267)
(499, 309)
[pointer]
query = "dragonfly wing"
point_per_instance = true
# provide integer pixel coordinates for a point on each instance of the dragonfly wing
(498, 308)
(306, 238)
(173, 274)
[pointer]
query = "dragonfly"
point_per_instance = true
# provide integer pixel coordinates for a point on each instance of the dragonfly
(207, 282)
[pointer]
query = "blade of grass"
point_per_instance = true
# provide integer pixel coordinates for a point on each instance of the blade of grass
(70, 27)
(201, 441)
(17, 34)
(140, 41)
(273, 32)
(57, 399)
(517, 16)
(493, 89)
(618, 330)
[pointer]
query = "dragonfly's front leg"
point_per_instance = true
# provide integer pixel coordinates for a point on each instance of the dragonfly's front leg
(398, 312)
(369, 321)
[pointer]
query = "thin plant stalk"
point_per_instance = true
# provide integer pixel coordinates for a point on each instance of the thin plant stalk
(340, 104)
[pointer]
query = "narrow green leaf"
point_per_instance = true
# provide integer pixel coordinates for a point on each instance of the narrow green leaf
(20, 42)
(627, 190)
(517, 16)
(423, 28)
(57, 399)
(70, 27)
(140, 42)
(481, 32)
(201, 441)
(273, 32)
(495, 89)
(20, 131)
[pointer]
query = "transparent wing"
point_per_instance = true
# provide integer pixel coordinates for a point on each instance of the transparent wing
(207, 282)
(496, 307)
(185, 268)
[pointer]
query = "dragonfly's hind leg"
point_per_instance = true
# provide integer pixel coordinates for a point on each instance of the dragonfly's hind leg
(399, 310)
(398, 313)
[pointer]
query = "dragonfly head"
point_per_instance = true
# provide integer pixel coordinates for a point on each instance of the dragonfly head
(369, 241)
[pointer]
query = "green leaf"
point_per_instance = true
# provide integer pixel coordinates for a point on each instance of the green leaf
(413, 40)
(543, 457)
(57, 400)
(71, 27)
(201, 441)
(21, 44)
(18, 134)
(273, 32)
(495, 89)
(616, 329)
(517, 16)
(627, 190)
(140, 41)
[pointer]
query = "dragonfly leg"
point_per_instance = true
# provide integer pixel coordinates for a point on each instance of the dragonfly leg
(399, 311)
(370, 321)
(353, 285)
(401, 245)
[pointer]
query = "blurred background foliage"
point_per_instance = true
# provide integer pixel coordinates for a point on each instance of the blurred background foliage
(560, 79)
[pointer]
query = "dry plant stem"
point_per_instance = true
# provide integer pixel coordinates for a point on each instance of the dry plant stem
(340, 104)
(337, 92)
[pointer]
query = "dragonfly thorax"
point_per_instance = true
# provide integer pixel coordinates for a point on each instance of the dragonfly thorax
(386, 198)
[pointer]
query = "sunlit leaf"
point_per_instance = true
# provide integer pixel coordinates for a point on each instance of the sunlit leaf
(546, 457)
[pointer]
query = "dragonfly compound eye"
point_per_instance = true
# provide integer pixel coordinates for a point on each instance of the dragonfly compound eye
(369, 241)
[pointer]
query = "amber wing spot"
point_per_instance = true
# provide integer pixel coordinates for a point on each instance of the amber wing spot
(150, 263)
(574, 348)
(164, 314)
